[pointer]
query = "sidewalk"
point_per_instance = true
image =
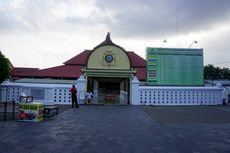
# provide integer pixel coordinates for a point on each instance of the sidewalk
(122, 129)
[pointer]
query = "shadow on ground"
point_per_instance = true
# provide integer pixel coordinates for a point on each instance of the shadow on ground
(188, 114)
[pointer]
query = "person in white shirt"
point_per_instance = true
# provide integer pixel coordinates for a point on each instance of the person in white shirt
(89, 97)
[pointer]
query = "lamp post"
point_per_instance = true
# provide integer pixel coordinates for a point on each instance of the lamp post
(164, 41)
(193, 43)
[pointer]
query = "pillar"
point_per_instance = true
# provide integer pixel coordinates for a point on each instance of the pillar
(81, 89)
(135, 94)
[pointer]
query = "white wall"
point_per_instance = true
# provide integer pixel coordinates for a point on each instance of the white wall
(53, 93)
(141, 95)
(150, 95)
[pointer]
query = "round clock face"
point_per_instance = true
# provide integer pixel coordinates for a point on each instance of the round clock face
(109, 58)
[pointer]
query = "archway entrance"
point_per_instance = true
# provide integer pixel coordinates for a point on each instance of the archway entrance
(109, 90)
(108, 71)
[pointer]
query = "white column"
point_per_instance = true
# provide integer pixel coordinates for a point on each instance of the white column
(95, 89)
(135, 94)
(81, 89)
(122, 90)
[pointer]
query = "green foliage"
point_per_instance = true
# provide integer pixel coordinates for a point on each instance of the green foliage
(212, 73)
(4, 68)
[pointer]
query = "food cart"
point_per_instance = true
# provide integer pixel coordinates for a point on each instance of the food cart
(31, 112)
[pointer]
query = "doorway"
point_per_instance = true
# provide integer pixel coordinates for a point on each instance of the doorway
(111, 91)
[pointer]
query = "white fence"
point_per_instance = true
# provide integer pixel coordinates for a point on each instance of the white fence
(150, 95)
(45, 93)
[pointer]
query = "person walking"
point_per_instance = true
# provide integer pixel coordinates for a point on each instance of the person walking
(73, 91)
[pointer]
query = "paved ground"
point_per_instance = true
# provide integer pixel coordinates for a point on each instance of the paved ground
(122, 129)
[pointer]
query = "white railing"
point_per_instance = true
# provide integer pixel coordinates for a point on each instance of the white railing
(150, 95)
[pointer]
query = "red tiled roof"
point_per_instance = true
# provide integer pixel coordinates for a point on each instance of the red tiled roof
(63, 71)
(136, 60)
(141, 73)
(79, 59)
(19, 70)
(72, 67)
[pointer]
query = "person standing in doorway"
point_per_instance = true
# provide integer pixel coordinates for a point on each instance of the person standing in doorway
(73, 91)
(89, 97)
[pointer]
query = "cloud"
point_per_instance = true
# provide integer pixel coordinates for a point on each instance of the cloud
(152, 18)
(23, 15)
(134, 24)
(126, 18)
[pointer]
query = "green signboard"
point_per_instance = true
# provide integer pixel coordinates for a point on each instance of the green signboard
(174, 66)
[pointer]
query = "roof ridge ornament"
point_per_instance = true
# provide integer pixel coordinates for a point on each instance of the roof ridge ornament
(108, 36)
(107, 41)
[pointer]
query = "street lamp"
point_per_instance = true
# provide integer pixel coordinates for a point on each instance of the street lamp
(193, 43)
(165, 41)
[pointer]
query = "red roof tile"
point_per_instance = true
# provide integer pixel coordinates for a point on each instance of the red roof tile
(19, 70)
(141, 73)
(79, 59)
(136, 60)
(63, 71)
(72, 67)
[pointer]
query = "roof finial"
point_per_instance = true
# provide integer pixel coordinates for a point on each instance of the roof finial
(108, 36)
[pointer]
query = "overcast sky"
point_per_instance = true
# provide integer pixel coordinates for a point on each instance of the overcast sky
(46, 33)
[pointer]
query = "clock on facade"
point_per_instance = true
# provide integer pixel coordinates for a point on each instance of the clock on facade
(109, 58)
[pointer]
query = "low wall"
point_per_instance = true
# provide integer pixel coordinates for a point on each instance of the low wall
(46, 93)
(151, 95)
(148, 95)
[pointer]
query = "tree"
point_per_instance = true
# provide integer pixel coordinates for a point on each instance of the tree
(212, 73)
(226, 73)
(4, 68)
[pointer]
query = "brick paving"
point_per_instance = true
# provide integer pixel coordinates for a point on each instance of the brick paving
(122, 129)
